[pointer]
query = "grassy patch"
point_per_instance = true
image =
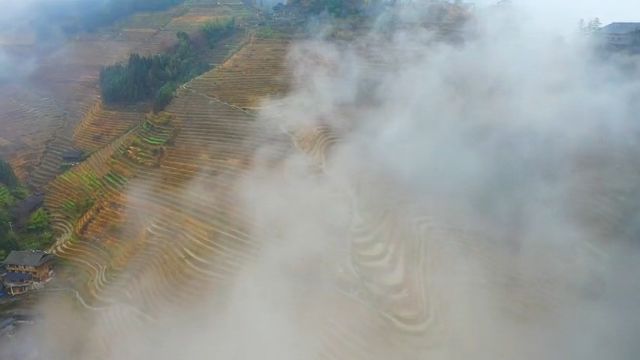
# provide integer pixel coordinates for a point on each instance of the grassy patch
(268, 32)
(23, 225)
(150, 20)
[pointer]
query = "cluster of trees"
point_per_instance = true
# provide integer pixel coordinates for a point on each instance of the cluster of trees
(156, 78)
(7, 176)
(591, 26)
(342, 8)
(8, 238)
(214, 31)
(36, 232)
(337, 8)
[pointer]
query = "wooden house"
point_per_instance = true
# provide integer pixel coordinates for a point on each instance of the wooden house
(26, 268)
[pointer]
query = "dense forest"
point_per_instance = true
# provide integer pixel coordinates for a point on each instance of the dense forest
(23, 224)
(155, 78)
(338, 8)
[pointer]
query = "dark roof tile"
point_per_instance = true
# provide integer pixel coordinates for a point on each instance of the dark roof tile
(27, 258)
(16, 278)
(621, 28)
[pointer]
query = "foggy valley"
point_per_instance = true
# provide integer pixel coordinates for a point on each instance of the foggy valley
(315, 179)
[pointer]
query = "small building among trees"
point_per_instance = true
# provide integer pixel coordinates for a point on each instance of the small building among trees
(17, 283)
(72, 157)
(621, 35)
(26, 269)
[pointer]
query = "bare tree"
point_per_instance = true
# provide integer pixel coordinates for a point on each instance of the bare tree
(594, 25)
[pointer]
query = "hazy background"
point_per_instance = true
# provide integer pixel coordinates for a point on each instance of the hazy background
(564, 15)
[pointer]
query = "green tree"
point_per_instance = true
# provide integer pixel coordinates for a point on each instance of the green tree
(214, 31)
(7, 237)
(38, 221)
(7, 176)
(6, 198)
(5, 218)
(164, 96)
(20, 192)
(145, 78)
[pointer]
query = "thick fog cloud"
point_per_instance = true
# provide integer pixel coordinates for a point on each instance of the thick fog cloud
(15, 12)
(440, 201)
(515, 154)
(29, 25)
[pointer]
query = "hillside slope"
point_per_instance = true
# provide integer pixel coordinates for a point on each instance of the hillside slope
(61, 89)
(126, 204)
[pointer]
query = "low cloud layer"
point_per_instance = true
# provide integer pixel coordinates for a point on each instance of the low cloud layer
(475, 200)
(492, 182)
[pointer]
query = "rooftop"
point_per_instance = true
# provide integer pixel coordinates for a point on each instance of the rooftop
(621, 28)
(17, 278)
(27, 258)
(72, 154)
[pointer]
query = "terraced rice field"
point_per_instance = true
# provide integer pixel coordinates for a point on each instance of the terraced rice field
(102, 125)
(41, 123)
(151, 221)
(205, 141)
(27, 119)
(251, 75)
(67, 80)
(157, 31)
